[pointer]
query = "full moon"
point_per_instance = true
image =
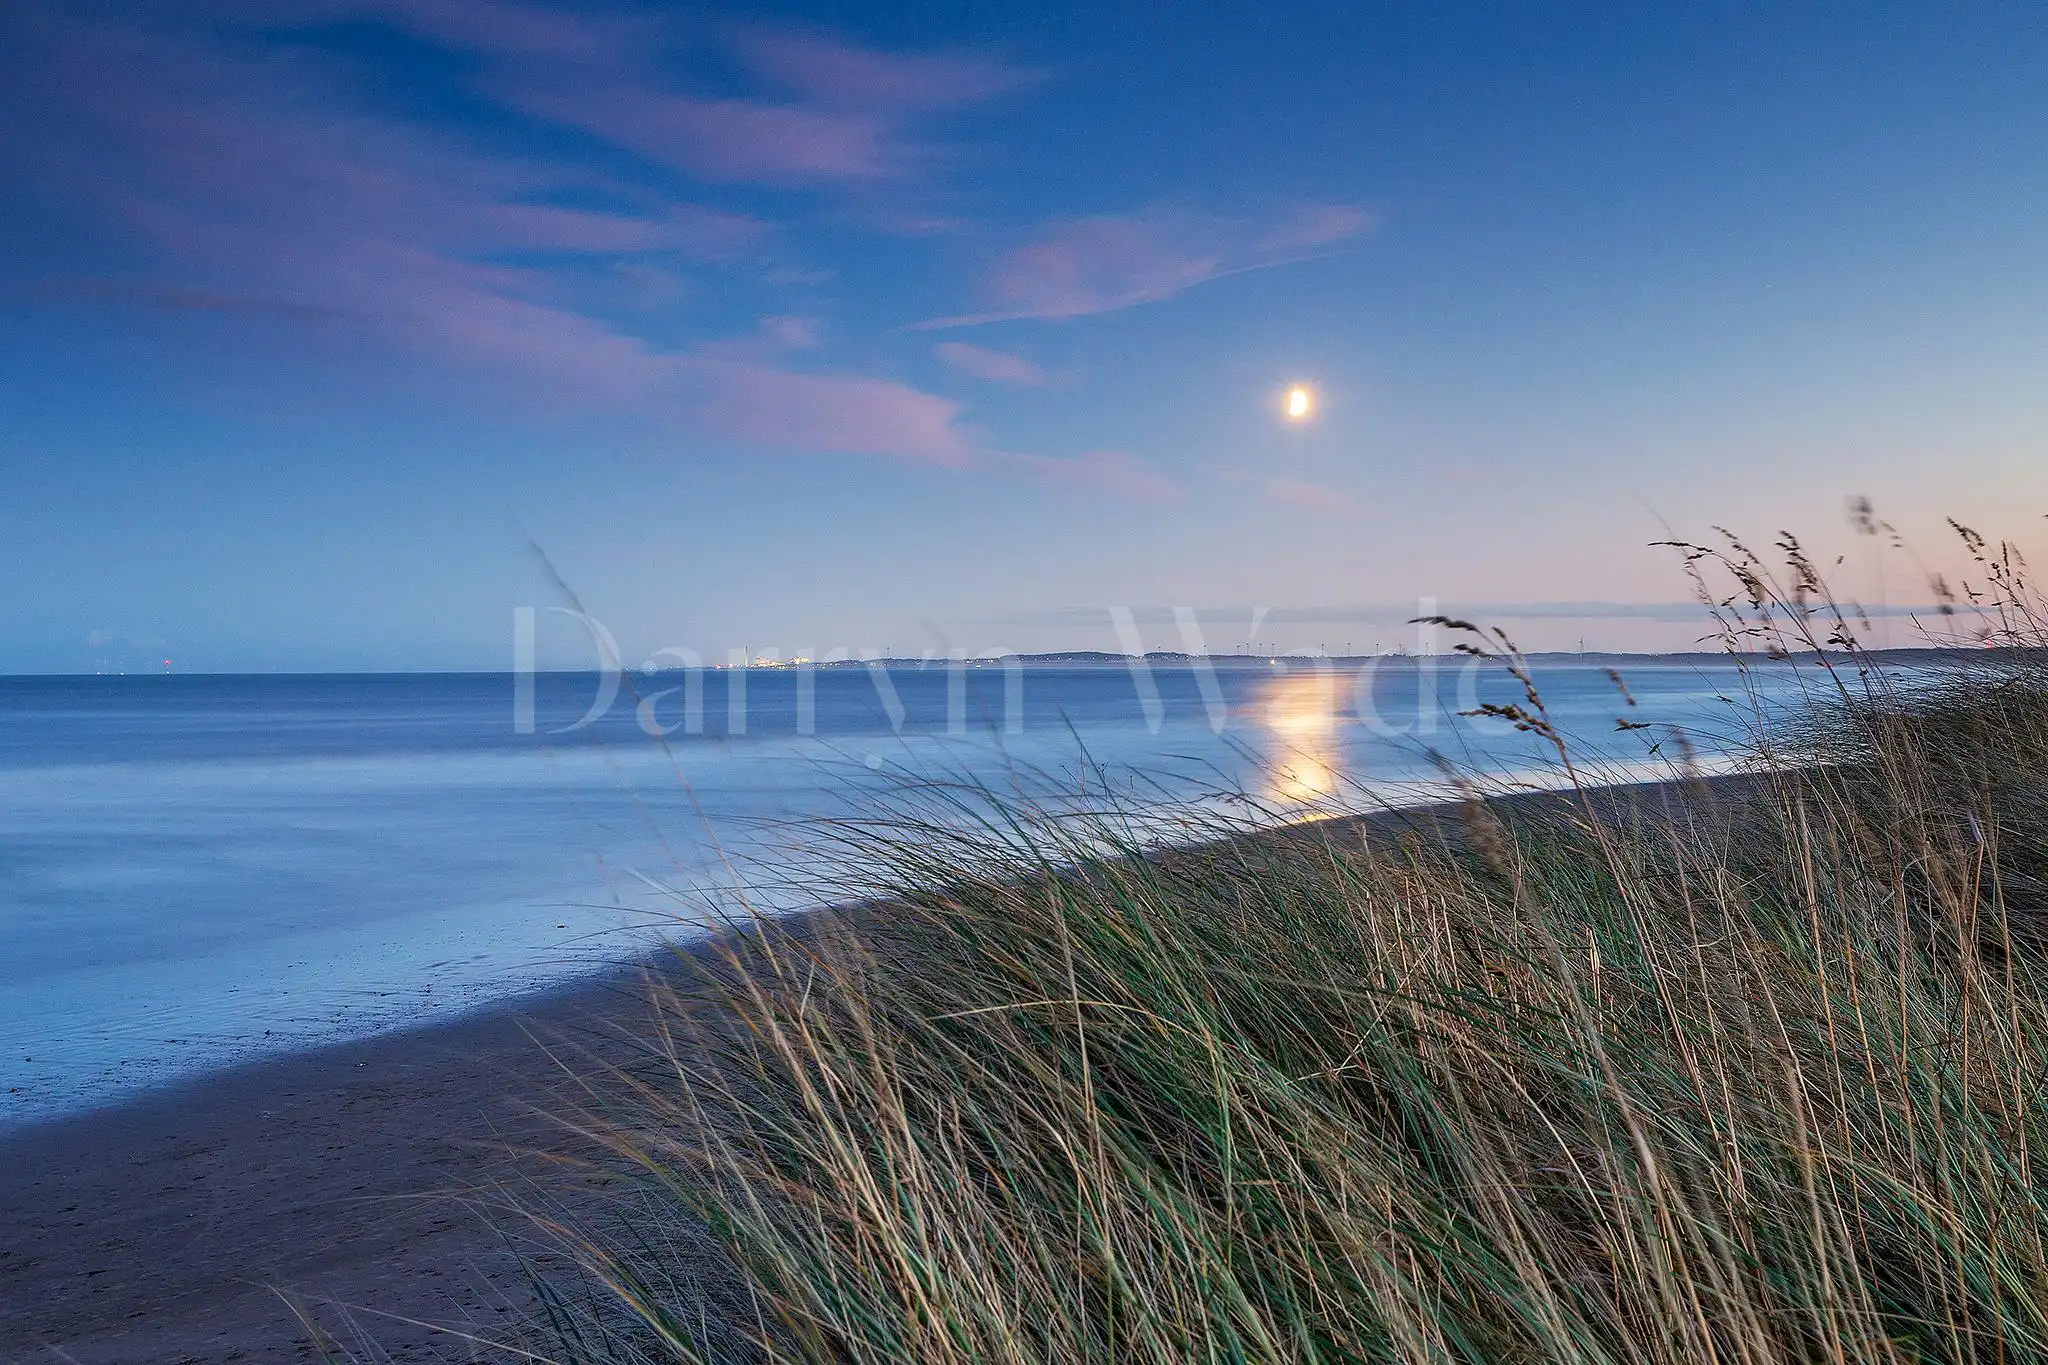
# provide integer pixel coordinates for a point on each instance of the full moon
(1300, 402)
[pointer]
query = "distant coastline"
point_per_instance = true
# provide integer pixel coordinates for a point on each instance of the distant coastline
(1102, 658)
(1921, 656)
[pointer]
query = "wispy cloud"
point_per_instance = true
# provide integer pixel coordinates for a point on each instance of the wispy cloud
(250, 186)
(784, 409)
(1313, 226)
(826, 111)
(1103, 471)
(1095, 265)
(166, 298)
(834, 72)
(503, 28)
(982, 362)
(1314, 497)
(791, 333)
(689, 230)
(731, 141)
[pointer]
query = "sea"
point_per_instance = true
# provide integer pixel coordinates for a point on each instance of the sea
(199, 871)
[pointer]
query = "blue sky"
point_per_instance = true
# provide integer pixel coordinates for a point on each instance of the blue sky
(931, 326)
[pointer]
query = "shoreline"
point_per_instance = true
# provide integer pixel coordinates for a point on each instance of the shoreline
(539, 993)
(153, 1228)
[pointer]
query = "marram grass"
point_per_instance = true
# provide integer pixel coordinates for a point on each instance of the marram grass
(1728, 1073)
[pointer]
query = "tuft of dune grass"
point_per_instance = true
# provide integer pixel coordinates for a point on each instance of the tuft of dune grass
(1742, 1072)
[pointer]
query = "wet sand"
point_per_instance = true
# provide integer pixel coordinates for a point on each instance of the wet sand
(164, 1229)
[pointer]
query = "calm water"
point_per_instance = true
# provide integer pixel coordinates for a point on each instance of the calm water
(197, 869)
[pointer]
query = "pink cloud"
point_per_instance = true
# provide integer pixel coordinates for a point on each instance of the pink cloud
(815, 66)
(840, 414)
(1102, 471)
(1100, 265)
(790, 333)
(1097, 265)
(842, 114)
(835, 72)
(1319, 225)
(702, 233)
(498, 27)
(254, 195)
(998, 367)
(1312, 496)
(172, 298)
(554, 352)
(733, 141)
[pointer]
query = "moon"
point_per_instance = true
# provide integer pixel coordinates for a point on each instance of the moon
(1299, 404)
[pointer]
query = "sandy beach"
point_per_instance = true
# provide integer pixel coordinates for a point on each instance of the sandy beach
(163, 1229)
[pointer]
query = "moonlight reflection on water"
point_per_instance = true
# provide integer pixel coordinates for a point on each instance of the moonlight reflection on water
(1299, 715)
